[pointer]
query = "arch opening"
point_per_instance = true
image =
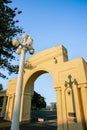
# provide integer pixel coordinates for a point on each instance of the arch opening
(44, 86)
(42, 83)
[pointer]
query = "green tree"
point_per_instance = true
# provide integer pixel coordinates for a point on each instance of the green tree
(1, 87)
(8, 30)
(38, 101)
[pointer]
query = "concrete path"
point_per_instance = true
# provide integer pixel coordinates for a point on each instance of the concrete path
(29, 126)
(41, 120)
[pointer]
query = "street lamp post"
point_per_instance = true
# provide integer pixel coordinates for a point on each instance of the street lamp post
(23, 47)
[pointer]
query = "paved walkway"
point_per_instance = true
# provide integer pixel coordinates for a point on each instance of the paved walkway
(30, 126)
(47, 121)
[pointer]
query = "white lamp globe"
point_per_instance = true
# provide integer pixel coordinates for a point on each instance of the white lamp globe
(15, 42)
(18, 51)
(29, 41)
(31, 51)
(25, 37)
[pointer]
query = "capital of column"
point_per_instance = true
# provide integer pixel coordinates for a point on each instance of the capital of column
(58, 89)
(82, 85)
(27, 94)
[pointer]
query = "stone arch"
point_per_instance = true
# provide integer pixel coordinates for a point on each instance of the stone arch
(55, 61)
(33, 77)
(43, 62)
(28, 93)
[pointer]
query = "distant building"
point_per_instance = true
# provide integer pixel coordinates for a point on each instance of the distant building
(53, 106)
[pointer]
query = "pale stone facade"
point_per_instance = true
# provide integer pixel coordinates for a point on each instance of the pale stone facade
(70, 83)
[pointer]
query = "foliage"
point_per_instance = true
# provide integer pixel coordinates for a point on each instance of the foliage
(38, 101)
(8, 30)
(1, 101)
(1, 87)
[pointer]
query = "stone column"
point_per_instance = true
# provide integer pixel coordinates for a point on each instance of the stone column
(25, 113)
(78, 107)
(59, 109)
(84, 101)
(13, 100)
(7, 107)
(64, 110)
(4, 107)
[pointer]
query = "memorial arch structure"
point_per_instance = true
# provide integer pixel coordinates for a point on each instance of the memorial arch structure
(70, 83)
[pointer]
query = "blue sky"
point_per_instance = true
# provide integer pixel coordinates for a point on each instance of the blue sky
(51, 23)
